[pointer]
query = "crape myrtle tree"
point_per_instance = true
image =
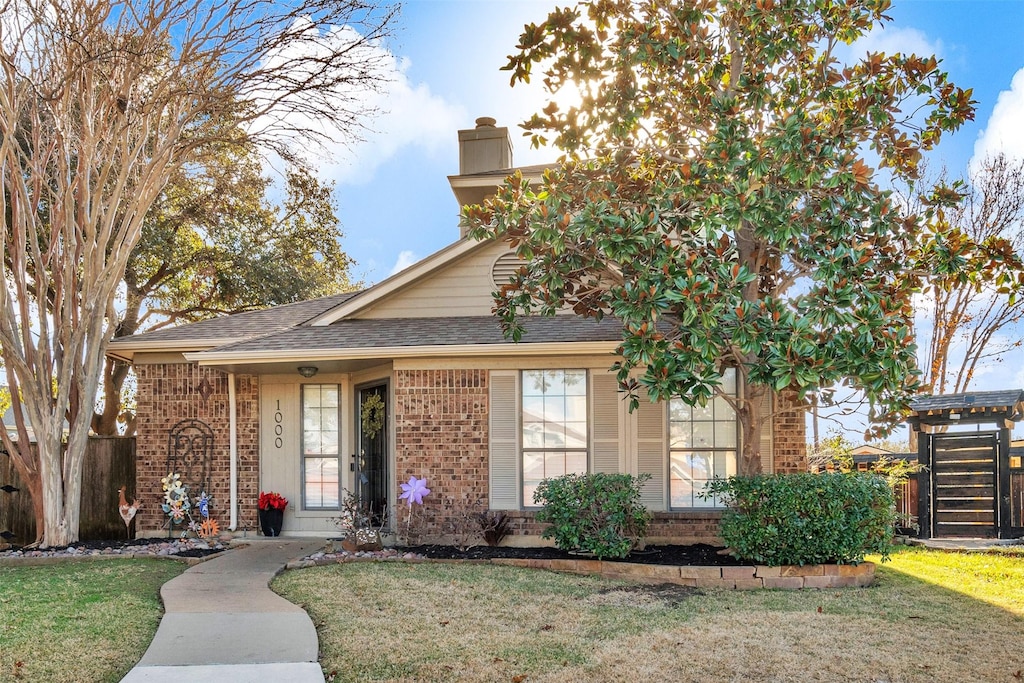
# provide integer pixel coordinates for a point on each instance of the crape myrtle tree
(101, 103)
(213, 244)
(719, 194)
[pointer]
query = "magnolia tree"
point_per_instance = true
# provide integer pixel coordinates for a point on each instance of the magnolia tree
(101, 103)
(720, 195)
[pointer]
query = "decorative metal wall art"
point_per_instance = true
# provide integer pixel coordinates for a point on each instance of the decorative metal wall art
(190, 451)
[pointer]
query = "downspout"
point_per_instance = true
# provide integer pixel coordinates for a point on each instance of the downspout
(233, 449)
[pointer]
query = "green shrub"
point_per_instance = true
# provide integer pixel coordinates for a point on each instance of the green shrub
(597, 513)
(806, 518)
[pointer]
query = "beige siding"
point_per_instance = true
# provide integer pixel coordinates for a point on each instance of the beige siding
(461, 288)
(280, 445)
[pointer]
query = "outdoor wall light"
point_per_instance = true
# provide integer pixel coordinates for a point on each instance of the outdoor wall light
(307, 371)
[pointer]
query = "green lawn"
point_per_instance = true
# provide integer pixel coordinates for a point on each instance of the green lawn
(931, 617)
(79, 621)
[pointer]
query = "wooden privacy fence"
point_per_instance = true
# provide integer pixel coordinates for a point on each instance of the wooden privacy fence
(109, 465)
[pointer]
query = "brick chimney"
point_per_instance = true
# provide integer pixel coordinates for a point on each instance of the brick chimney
(484, 148)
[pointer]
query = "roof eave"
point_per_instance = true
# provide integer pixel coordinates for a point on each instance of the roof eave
(213, 358)
(126, 350)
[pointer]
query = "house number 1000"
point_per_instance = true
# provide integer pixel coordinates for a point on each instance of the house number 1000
(278, 427)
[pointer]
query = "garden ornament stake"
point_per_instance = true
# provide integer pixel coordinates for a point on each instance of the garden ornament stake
(127, 511)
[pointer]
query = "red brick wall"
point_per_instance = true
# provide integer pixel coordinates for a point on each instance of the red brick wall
(441, 428)
(442, 433)
(169, 393)
(790, 439)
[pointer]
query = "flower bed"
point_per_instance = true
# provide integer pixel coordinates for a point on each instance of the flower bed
(725, 574)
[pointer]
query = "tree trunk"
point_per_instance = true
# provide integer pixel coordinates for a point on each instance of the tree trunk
(751, 423)
(104, 422)
(25, 466)
(56, 531)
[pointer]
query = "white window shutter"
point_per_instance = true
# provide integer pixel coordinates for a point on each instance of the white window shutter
(651, 452)
(767, 434)
(504, 440)
(604, 420)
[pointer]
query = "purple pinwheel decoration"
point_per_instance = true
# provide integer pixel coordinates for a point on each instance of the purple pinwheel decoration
(414, 490)
(204, 505)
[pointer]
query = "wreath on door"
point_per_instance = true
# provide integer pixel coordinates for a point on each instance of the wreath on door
(372, 415)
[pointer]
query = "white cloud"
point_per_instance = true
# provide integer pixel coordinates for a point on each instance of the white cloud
(411, 116)
(405, 259)
(407, 115)
(1004, 132)
(891, 40)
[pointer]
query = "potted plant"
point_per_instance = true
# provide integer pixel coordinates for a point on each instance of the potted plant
(360, 528)
(271, 512)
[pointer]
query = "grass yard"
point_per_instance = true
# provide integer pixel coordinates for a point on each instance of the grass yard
(79, 621)
(931, 617)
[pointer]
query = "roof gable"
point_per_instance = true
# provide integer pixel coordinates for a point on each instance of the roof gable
(419, 274)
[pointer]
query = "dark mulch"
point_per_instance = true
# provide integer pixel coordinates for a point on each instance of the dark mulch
(699, 554)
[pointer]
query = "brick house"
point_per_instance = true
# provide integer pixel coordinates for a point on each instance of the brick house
(275, 400)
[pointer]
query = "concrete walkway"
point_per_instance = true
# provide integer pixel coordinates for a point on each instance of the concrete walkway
(966, 544)
(223, 623)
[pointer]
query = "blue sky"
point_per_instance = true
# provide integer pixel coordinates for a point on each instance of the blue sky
(395, 203)
(394, 199)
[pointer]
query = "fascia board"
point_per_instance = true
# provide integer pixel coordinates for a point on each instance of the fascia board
(370, 353)
(494, 179)
(398, 281)
(126, 350)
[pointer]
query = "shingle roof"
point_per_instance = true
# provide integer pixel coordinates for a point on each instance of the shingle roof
(243, 325)
(448, 331)
(975, 399)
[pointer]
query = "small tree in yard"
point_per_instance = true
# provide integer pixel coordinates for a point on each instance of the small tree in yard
(101, 103)
(212, 244)
(717, 196)
(976, 323)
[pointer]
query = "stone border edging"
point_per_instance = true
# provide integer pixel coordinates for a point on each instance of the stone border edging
(60, 559)
(744, 577)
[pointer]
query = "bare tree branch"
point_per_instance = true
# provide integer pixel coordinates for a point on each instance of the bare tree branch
(100, 104)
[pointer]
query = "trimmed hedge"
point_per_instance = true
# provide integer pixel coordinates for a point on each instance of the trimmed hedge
(597, 513)
(806, 518)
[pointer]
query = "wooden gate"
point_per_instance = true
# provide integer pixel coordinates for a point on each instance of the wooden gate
(964, 485)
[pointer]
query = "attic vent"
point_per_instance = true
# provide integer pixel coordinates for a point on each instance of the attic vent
(505, 267)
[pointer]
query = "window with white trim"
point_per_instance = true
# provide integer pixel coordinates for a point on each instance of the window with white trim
(321, 456)
(703, 445)
(554, 426)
